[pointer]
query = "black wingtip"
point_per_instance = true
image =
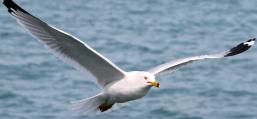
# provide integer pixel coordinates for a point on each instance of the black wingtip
(12, 6)
(241, 47)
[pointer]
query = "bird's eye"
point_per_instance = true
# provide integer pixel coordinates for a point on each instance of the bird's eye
(145, 78)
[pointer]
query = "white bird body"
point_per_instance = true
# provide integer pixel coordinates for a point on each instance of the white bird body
(131, 87)
(118, 86)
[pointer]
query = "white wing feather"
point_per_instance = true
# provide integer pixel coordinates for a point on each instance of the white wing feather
(172, 65)
(67, 47)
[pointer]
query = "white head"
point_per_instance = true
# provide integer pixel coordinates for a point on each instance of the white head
(145, 78)
(150, 80)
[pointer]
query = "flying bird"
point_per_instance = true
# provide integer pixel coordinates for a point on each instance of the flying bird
(118, 86)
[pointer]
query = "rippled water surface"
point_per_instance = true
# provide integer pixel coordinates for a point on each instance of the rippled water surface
(135, 35)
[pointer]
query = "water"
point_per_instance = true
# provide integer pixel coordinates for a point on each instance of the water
(135, 35)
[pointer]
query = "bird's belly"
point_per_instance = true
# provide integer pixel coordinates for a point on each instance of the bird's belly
(121, 95)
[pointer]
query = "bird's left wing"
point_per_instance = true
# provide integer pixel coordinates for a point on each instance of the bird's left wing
(67, 47)
(170, 66)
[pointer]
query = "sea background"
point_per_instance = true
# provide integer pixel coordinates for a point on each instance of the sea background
(135, 35)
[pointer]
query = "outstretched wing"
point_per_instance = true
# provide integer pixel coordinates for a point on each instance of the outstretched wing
(170, 66)
(67, 47)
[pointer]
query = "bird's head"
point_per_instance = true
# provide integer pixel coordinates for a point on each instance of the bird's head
(149, 79)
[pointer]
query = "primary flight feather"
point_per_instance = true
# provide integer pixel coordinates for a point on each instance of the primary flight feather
(118, 86)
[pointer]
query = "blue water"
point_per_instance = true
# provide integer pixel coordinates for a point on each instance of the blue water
(135, 35)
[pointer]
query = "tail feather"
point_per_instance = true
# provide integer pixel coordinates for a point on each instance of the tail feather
(88, 105)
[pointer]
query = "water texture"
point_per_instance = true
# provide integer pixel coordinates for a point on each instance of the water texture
(135, 35)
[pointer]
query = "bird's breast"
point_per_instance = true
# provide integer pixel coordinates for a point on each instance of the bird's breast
(123, 91)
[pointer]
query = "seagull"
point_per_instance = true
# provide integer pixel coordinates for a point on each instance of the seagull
(118, 86)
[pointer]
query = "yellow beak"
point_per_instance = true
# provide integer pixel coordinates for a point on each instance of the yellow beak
(156, 84)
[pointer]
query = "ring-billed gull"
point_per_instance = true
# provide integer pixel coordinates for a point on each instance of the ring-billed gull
(118, 86)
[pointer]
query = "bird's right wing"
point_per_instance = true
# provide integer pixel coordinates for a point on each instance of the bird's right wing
(67, 47)
(170, 66)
